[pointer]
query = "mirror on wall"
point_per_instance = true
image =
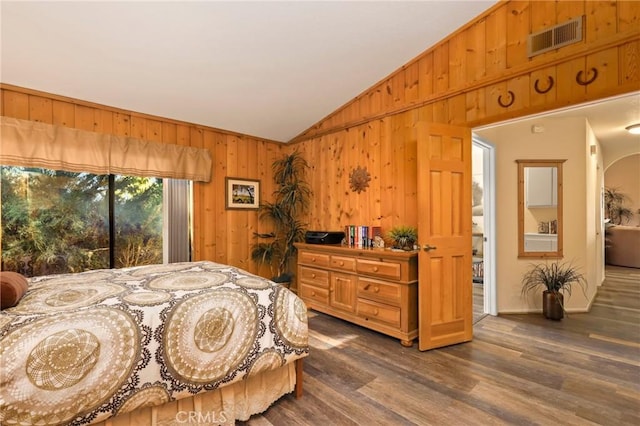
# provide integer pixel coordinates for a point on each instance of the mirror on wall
(540, 208)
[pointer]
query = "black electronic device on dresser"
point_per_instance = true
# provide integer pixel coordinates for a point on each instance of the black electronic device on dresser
(323, 237)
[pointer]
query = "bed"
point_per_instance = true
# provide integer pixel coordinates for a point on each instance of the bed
(196, 342)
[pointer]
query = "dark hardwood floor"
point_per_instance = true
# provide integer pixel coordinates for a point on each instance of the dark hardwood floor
(518, 370)
(478, 302)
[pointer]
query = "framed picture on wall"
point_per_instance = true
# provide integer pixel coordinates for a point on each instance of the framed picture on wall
(242, 194)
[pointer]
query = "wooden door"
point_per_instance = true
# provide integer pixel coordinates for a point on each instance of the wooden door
(444, 232)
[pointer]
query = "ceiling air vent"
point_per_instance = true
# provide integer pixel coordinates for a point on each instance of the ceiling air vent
(552, 38)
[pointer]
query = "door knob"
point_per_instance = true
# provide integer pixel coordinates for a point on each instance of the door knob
(427, 247)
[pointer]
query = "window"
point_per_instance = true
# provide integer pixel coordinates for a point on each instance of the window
(137, 221)
(57, 222)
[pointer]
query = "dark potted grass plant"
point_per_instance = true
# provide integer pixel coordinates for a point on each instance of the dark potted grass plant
(403, 237)
(557, 279)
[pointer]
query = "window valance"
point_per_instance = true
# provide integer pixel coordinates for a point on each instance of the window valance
(33, 144)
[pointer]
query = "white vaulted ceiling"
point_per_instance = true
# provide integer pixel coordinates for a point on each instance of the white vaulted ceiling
(268, 69)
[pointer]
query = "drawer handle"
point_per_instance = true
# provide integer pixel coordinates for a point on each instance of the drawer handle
(366, 287)
(313, 275)
(376, 289)
(313, 259)
(375, 269)
(341, 263)
(375, 312)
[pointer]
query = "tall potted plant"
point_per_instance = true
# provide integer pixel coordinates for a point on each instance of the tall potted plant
(290, 202)
(614, 205)
(556, 279)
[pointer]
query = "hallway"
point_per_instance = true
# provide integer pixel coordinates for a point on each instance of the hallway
(616, 308)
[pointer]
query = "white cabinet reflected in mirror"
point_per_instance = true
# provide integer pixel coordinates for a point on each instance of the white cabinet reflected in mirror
(540, 208)
(541, 187)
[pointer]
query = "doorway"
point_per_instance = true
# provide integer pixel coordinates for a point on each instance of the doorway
(597, 130)
(483, 230)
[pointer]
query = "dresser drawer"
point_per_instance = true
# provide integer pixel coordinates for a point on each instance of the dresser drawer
(379, 290)
(373, 311)
(343, 263)
(313, 276)
(310, 258)
(314, 294)
(377, 268)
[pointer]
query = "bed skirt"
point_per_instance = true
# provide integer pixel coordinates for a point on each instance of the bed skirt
(237, 401)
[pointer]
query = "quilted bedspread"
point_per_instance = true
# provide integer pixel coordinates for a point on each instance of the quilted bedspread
(80, 348)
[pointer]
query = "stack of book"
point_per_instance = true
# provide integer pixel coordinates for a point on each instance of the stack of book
(362, 236)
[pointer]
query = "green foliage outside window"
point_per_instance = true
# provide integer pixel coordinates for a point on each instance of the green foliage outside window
(58, 222)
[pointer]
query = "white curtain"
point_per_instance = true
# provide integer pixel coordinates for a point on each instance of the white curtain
(176, 238)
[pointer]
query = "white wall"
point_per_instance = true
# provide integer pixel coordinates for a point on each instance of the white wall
(617, 152)
(565, 138)
(477, 172)
(624, 174)
(595, 214)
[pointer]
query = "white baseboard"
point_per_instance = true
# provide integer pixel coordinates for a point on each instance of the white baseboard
(520, 311)
(539, 311)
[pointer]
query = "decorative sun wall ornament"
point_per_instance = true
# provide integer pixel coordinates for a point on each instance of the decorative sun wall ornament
(359, 179)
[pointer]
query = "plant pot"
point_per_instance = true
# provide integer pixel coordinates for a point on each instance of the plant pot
(283, 280)
(552, 305)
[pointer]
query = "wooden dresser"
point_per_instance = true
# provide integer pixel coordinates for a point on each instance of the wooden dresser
(374, 288)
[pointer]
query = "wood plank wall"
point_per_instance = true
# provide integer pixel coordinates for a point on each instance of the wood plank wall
(457, 81)
(461, 81)
(386, 148)
(220, 235)
(463, 76)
